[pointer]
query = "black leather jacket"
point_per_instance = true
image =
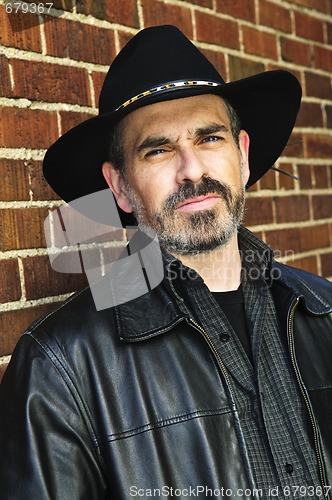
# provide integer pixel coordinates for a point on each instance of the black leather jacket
(111, 404)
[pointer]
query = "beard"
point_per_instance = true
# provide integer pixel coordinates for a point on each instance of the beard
(188, 233)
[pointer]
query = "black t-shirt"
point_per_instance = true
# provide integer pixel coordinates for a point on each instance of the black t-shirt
(232, 304)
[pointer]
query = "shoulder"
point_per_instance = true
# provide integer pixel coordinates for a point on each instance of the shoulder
(315, 290)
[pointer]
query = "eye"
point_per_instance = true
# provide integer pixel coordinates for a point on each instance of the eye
(212, 138)
(155, 152)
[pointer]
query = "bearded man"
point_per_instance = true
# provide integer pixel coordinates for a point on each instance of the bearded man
(217, 381)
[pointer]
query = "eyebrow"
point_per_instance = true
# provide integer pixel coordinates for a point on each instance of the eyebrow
(157, 141)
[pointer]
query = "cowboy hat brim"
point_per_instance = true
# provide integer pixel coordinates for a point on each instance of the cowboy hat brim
(267, 105)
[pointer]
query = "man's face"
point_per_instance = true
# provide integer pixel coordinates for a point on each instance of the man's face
(185, 174)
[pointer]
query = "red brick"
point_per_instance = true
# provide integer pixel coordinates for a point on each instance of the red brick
(275, 16)
(156, 12)
(310, 115)
(20, 30)
(326, 264)
(97, 82)
(292, 208)
(260, 43)
(22, 228)
(10, 289)
(309, 27)
(286, 182)
(318, 86)
(3, 367)
(320, 5)
(5, 82)
(294, 51)
(217, 59)
(115, 11)
(294, 147)
(328, 112)
(323, 58)
(305, 176)
(243, 9)
(51, 82)
(322, 206)
(241, 68)
(318, 146)
(15, 180)
(42, 281)
(258, 211)
(39, 188)
(299, 239)
(268, 181)
(203, 3)
(124, 38)
(29, 128)
(329, 33)
(218, 31)
(305, 263)
(70, 119)
(82, 42)
(14, 323)
(321, 177)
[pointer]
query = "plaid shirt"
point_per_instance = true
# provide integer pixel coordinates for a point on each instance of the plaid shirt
(275, 426)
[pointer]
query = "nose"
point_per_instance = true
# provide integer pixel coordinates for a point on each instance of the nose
(190, 166)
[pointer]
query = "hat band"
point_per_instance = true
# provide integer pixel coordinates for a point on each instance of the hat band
(166, 87)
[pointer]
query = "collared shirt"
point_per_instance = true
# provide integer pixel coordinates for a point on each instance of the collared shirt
(274, 422)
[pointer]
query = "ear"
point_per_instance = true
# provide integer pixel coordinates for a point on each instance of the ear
(116, 183)
(244, 142)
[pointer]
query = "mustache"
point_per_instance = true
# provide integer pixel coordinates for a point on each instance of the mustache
(191, 190)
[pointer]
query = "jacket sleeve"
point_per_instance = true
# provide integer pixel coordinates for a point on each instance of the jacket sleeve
(46, 446)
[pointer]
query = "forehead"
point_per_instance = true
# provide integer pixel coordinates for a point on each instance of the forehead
(173, 116)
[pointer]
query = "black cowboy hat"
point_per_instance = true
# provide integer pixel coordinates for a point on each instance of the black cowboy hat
(160, 64)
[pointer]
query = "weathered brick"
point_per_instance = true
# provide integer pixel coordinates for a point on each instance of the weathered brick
(326, 264)
(5, 83)
(217, 59)
(309, 27)
(156, 12)
(14, 323)
(319, 5)
(310, 115)
(20, 30)
(328, 112)
(258, 211)
(305, 263)
(294, 51)
(299, 239)
(242, 9)
(10, 289)
(115, 11)
(321, 177)
(124, 38)
(318, 86)
(329, 32)
(29, 128)
(268, 181)
(275, 16)
(66, 38)
(22, 228)
(241, 68)
(305, 176)
(97, 82)
(50, 82)
(217, 31)
(286, 182)
(292, 208)
(322, 206)
(39, 188)
(70, 119)
(294, 146)
(318, 146)
(15, 180)
(260, 43)
(203, 3)
(42, 281)
(323, 58)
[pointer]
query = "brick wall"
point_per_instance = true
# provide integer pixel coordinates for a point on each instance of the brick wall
(52, 67)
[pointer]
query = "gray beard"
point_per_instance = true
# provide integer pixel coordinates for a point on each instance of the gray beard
(192, 233)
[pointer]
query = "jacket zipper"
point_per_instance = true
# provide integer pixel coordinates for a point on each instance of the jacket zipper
(304, 391)
(216, 353)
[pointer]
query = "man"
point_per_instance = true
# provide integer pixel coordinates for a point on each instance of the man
(218, 381)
